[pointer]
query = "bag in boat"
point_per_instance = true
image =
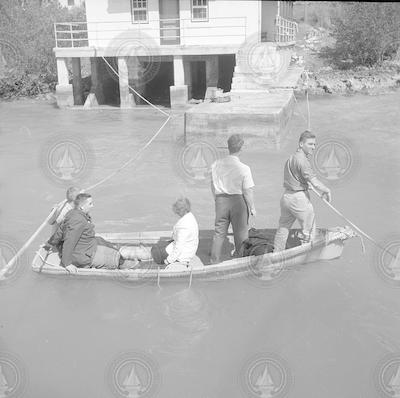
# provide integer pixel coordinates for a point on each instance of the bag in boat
(259, 242)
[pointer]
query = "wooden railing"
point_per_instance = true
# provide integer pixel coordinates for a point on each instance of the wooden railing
(285, 30)
(158, 32)
(71, 34)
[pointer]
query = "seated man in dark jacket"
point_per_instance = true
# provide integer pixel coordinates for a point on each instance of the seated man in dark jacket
(78, 245)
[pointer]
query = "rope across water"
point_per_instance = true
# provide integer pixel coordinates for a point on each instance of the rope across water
(13, 260)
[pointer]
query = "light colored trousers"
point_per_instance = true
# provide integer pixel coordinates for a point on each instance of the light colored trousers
(295, 205)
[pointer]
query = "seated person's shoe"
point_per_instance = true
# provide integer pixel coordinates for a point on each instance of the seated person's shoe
(128, 264)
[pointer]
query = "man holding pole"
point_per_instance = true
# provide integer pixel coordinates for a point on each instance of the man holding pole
(232, 187)
(295, 202)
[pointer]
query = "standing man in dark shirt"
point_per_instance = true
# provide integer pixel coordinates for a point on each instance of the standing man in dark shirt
(295, 202)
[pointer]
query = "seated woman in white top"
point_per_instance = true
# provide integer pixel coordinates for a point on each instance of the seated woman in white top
(185, 235)
(181, 250)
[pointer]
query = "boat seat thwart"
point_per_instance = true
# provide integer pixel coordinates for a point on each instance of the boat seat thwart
(328, 245)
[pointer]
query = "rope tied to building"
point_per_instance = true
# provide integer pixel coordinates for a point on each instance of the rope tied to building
(14, 259)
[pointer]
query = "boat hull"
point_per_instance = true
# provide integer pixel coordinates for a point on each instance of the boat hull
(328, 246)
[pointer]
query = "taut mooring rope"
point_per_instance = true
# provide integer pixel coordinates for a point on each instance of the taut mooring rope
(11, 263)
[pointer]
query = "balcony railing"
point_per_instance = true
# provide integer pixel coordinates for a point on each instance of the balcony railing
(71, 34)
(152, 33)
(285, 30)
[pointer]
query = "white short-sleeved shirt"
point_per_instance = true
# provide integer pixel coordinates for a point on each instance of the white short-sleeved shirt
(231, 176)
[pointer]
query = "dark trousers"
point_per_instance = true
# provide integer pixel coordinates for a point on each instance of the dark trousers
(229, 209)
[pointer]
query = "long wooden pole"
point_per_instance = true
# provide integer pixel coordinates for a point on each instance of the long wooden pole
(351, 223)
(11, 263)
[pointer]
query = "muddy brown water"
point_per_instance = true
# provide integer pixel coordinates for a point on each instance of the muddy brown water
(324, 329)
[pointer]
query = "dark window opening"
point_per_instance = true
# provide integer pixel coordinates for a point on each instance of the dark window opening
(157, 89)
(226, 66)
(199, 82)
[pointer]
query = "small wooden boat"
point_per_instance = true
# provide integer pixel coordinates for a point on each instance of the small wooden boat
(328, 245)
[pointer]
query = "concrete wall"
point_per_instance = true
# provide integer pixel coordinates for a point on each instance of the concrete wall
(110, 23)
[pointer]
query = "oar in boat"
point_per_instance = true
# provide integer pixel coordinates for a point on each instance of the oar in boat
(351, 223)
(11, 263)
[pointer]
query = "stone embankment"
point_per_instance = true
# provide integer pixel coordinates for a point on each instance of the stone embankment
(375, 80)
(321, 78)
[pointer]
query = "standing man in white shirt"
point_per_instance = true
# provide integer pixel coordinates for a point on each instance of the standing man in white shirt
(232, 187)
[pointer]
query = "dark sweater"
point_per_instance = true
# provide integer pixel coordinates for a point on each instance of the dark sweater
(78, 236)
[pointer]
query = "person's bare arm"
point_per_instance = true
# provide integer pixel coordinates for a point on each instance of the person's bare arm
(213, 189)
(310, 176)
(249, 198)
(317, 184)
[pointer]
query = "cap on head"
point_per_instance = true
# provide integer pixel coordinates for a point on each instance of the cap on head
(305, 135)
(235, 143)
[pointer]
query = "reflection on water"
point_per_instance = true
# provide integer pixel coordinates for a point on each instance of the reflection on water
(332, 322)
(187, 317)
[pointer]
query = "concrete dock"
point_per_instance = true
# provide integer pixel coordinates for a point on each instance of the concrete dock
(261, 115)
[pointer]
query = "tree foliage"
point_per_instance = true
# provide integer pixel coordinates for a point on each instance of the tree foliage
(27, 61)
(365, 33)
